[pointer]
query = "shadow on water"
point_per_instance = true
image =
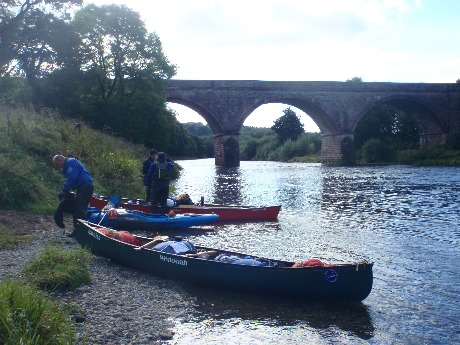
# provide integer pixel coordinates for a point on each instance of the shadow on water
(222, 306)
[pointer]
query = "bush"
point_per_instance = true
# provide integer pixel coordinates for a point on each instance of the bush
(18, 184)
(248, 149)
(454, 140)
(376, 151)
(436, 156)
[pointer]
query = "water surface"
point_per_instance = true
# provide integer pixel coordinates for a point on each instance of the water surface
(404, 219)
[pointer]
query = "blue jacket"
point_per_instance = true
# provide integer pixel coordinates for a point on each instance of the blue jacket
(75, 174)
(145, 168)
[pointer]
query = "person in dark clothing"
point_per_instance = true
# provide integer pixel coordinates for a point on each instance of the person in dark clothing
(66, 205)
(158, 177)
(145, 169)
(79, 179)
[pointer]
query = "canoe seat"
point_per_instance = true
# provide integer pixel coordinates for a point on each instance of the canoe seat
(115, 200)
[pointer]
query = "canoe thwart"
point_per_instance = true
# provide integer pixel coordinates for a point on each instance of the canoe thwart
(156, 240)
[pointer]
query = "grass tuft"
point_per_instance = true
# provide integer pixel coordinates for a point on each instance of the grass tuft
(58, 269)
(28, 317)
(9, 240)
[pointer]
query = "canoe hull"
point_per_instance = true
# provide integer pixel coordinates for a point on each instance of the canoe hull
(136, 220)
(349, 282)
(226, 213)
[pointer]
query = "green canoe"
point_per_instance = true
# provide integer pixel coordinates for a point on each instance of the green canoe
(179, 259)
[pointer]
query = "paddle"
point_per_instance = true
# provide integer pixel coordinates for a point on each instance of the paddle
(102, 218)
(155, 240)
(209, 252)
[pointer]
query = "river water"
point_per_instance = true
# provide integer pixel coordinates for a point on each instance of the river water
(404, 219)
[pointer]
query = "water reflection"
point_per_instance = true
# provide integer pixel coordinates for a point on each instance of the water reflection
(227, 186)
(224, 307)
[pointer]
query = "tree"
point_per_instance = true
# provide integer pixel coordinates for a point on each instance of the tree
(32, 36)
(117, 50)
(120, 79)
(377, 151)
(288, 126)
(386, 123)
(197, 128)
(355, 80)
(46, 44)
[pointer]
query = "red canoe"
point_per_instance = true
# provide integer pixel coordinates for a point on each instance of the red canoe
(227, 213)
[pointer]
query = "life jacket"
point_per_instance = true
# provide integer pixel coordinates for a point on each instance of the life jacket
(160, 172)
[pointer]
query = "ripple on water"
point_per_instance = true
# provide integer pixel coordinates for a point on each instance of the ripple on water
(405, 219)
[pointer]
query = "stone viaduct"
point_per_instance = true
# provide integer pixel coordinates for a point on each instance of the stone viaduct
(336, 107)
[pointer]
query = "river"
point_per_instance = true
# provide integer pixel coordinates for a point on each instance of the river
(404, 219)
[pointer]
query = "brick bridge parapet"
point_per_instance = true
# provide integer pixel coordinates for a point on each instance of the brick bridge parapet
(336, 108)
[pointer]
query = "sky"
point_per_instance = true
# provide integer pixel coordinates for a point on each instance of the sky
(409, 41)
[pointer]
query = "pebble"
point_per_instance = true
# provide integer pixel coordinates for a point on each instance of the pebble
(120, 306)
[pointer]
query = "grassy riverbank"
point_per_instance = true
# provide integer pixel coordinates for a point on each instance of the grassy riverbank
(28, 141)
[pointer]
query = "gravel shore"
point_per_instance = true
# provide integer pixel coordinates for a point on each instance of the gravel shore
(120, 306)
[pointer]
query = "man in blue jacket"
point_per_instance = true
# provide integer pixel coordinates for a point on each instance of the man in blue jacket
(158, 177)
(79, 179)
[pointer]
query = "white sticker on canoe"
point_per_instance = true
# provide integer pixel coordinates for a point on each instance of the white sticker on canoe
(94, 234)
(173, 260)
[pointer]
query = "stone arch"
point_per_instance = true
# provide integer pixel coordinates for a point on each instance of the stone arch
(324, 122)
(432, 131)
(332, 136)
(207, 115)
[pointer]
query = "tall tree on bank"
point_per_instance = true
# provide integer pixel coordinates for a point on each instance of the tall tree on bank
(117, 48)
(123, 66)
(33, 36)
(288, 126)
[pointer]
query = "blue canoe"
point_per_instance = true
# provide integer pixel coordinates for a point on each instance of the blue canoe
(121, 218)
